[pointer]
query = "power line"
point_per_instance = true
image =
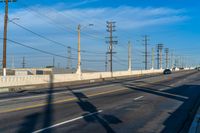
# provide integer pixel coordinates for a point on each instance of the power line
(49, 53)
(60, 26)
(41, 36)
(53, 41)
(39, 50)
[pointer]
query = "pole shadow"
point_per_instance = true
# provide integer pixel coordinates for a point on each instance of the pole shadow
(103, 119)
(181, 118)
(31, 121)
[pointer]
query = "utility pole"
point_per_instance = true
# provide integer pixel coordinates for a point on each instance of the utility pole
(13, 62)
(23, 62)
(78, 71)
(1, 62)
(152, 59)
(159, 56)
(111, 28)
(129, 56)
(172, 59)
(69, 65)
(5, 34)
(146, 51)
(166, 57)
(53, 62)
(176, 63)
(106, 62)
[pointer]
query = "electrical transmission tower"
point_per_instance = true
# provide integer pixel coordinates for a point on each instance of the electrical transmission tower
(159, 56)
(23, 62)
(69, 61)
(111, 41)
(146, 51)
(1, 62)
(5, 34)
(166, 57)
(152, 59)
(53, 65)
(172, 58)
(106, 62)
(13, 62)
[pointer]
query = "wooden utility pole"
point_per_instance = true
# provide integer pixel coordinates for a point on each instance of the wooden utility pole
(5, 34)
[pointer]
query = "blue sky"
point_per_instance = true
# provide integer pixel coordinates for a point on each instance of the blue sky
(175, 23)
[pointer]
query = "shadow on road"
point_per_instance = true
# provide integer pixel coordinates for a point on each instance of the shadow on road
(30, 121)
(179, 120)
(92, 114)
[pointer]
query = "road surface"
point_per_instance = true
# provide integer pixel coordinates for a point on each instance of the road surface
(151, 104)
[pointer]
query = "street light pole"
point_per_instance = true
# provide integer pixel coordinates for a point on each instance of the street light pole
(129, 56)
(78, 71)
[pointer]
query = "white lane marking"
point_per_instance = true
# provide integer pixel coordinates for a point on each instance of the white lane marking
(162, 89)
(65, 122)
(137, 98)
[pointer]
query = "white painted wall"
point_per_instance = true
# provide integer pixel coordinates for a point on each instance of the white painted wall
(9, 81)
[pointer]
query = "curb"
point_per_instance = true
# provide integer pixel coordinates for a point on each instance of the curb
(2, 90)
(195, 124)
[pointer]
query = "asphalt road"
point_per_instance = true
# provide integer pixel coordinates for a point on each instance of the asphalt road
(133, 105)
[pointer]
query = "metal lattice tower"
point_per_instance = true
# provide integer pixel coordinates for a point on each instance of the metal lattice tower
(166, 57)
(23, 62)
(69, 60)
(152, 59)
(159, 56)
(146, 51)
(111, 41)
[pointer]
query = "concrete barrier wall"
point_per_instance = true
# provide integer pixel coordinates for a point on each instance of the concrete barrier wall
(9, 81)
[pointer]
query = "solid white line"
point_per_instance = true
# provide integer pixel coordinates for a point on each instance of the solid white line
(65, 122)
(162, 89)
(137, 98)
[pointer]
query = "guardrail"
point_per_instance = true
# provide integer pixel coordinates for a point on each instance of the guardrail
(10, 81)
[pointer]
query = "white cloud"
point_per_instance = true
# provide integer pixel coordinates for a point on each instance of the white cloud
(126, 17)
(60, 24)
